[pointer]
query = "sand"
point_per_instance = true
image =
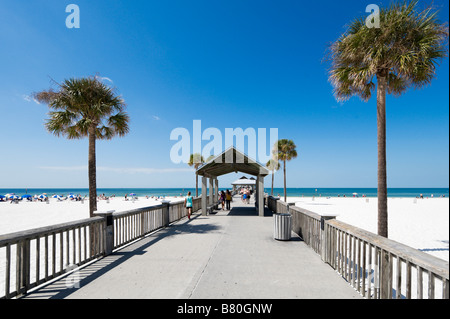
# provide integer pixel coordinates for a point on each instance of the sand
(31, 215)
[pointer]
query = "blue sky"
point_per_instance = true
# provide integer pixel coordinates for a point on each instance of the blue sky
(249, 64)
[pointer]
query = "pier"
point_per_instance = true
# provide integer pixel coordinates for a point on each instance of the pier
(226, 255)
(157, 252)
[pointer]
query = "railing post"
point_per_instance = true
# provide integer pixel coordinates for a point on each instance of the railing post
(165, 213)
(23, 267)
(107, 235)
(326, 242)
(385, 274)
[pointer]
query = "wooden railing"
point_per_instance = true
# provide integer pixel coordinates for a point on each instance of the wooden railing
(375, 266)
(31, 258)
(381, 268)
(135, 224)
(37, 256)
(272, 203)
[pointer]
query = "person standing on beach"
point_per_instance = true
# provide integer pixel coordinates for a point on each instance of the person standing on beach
(188, 204)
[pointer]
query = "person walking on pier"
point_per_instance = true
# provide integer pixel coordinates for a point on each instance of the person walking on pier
(188, 204)
(228, 199)
(222, 199)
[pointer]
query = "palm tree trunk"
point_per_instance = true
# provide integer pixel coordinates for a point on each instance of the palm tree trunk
(382, 175)
(92, 174)
(284, 170)
(273, 173)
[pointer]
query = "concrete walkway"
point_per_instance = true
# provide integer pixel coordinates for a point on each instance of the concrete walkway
(224, 255)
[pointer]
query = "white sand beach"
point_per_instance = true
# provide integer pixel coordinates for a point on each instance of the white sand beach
(29, 215)
(420, 223)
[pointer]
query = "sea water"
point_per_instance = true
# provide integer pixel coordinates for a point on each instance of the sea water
(292, 192)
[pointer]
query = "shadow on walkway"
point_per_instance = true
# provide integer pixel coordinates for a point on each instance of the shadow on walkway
(63, 286)
(248, 210)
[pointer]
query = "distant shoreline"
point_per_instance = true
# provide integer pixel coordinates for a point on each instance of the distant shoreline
(291, 192)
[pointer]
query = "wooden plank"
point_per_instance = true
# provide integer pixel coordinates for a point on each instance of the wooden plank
(61, 251)
(38, 257)
(353, 259)
(85, 243)
(46, 257)
(18, 267)
(53, 254)
(364, 268)
(74, 250)
(385, 277)
(358, 266)
(408, 280)
(430, 285)
(445, 289)
(419, 283)
(376, 288)
(391, 274)
(399, 278)
(8, 271)
(79, 245)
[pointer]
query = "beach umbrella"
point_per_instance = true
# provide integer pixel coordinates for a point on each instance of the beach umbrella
(1, 196)
(71, 196)
(13, 197)
(132, 194)
(42, 196)
(26, 196)
(56, 196)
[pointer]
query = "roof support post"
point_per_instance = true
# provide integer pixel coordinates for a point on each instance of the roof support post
(260, 194)
(216, 190)
(204, 196)
(211, 191)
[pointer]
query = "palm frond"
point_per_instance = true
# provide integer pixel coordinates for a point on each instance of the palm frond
(407, 48)
(83, 104)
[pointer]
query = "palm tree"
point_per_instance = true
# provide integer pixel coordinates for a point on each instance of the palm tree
(196, 160)
(285, 151)
(273, 165)
(402, 53)
(81, 108)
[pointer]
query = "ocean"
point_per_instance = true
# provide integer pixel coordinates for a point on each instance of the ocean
(293, 192)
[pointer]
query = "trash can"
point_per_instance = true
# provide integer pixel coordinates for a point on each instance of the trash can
(282, 226)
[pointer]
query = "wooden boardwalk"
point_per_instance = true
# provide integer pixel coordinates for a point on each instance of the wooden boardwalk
(227, 255)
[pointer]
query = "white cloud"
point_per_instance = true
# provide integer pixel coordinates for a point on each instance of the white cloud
(29, 99)
(65, 168)
(103, 78)
(157, 118)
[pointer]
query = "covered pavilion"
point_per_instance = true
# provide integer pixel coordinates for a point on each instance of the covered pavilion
(231, 161)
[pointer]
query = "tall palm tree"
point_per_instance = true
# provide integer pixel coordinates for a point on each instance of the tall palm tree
(402, 53)
(196, 160)
(285, 151)
(85, 107)
(273, 166)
